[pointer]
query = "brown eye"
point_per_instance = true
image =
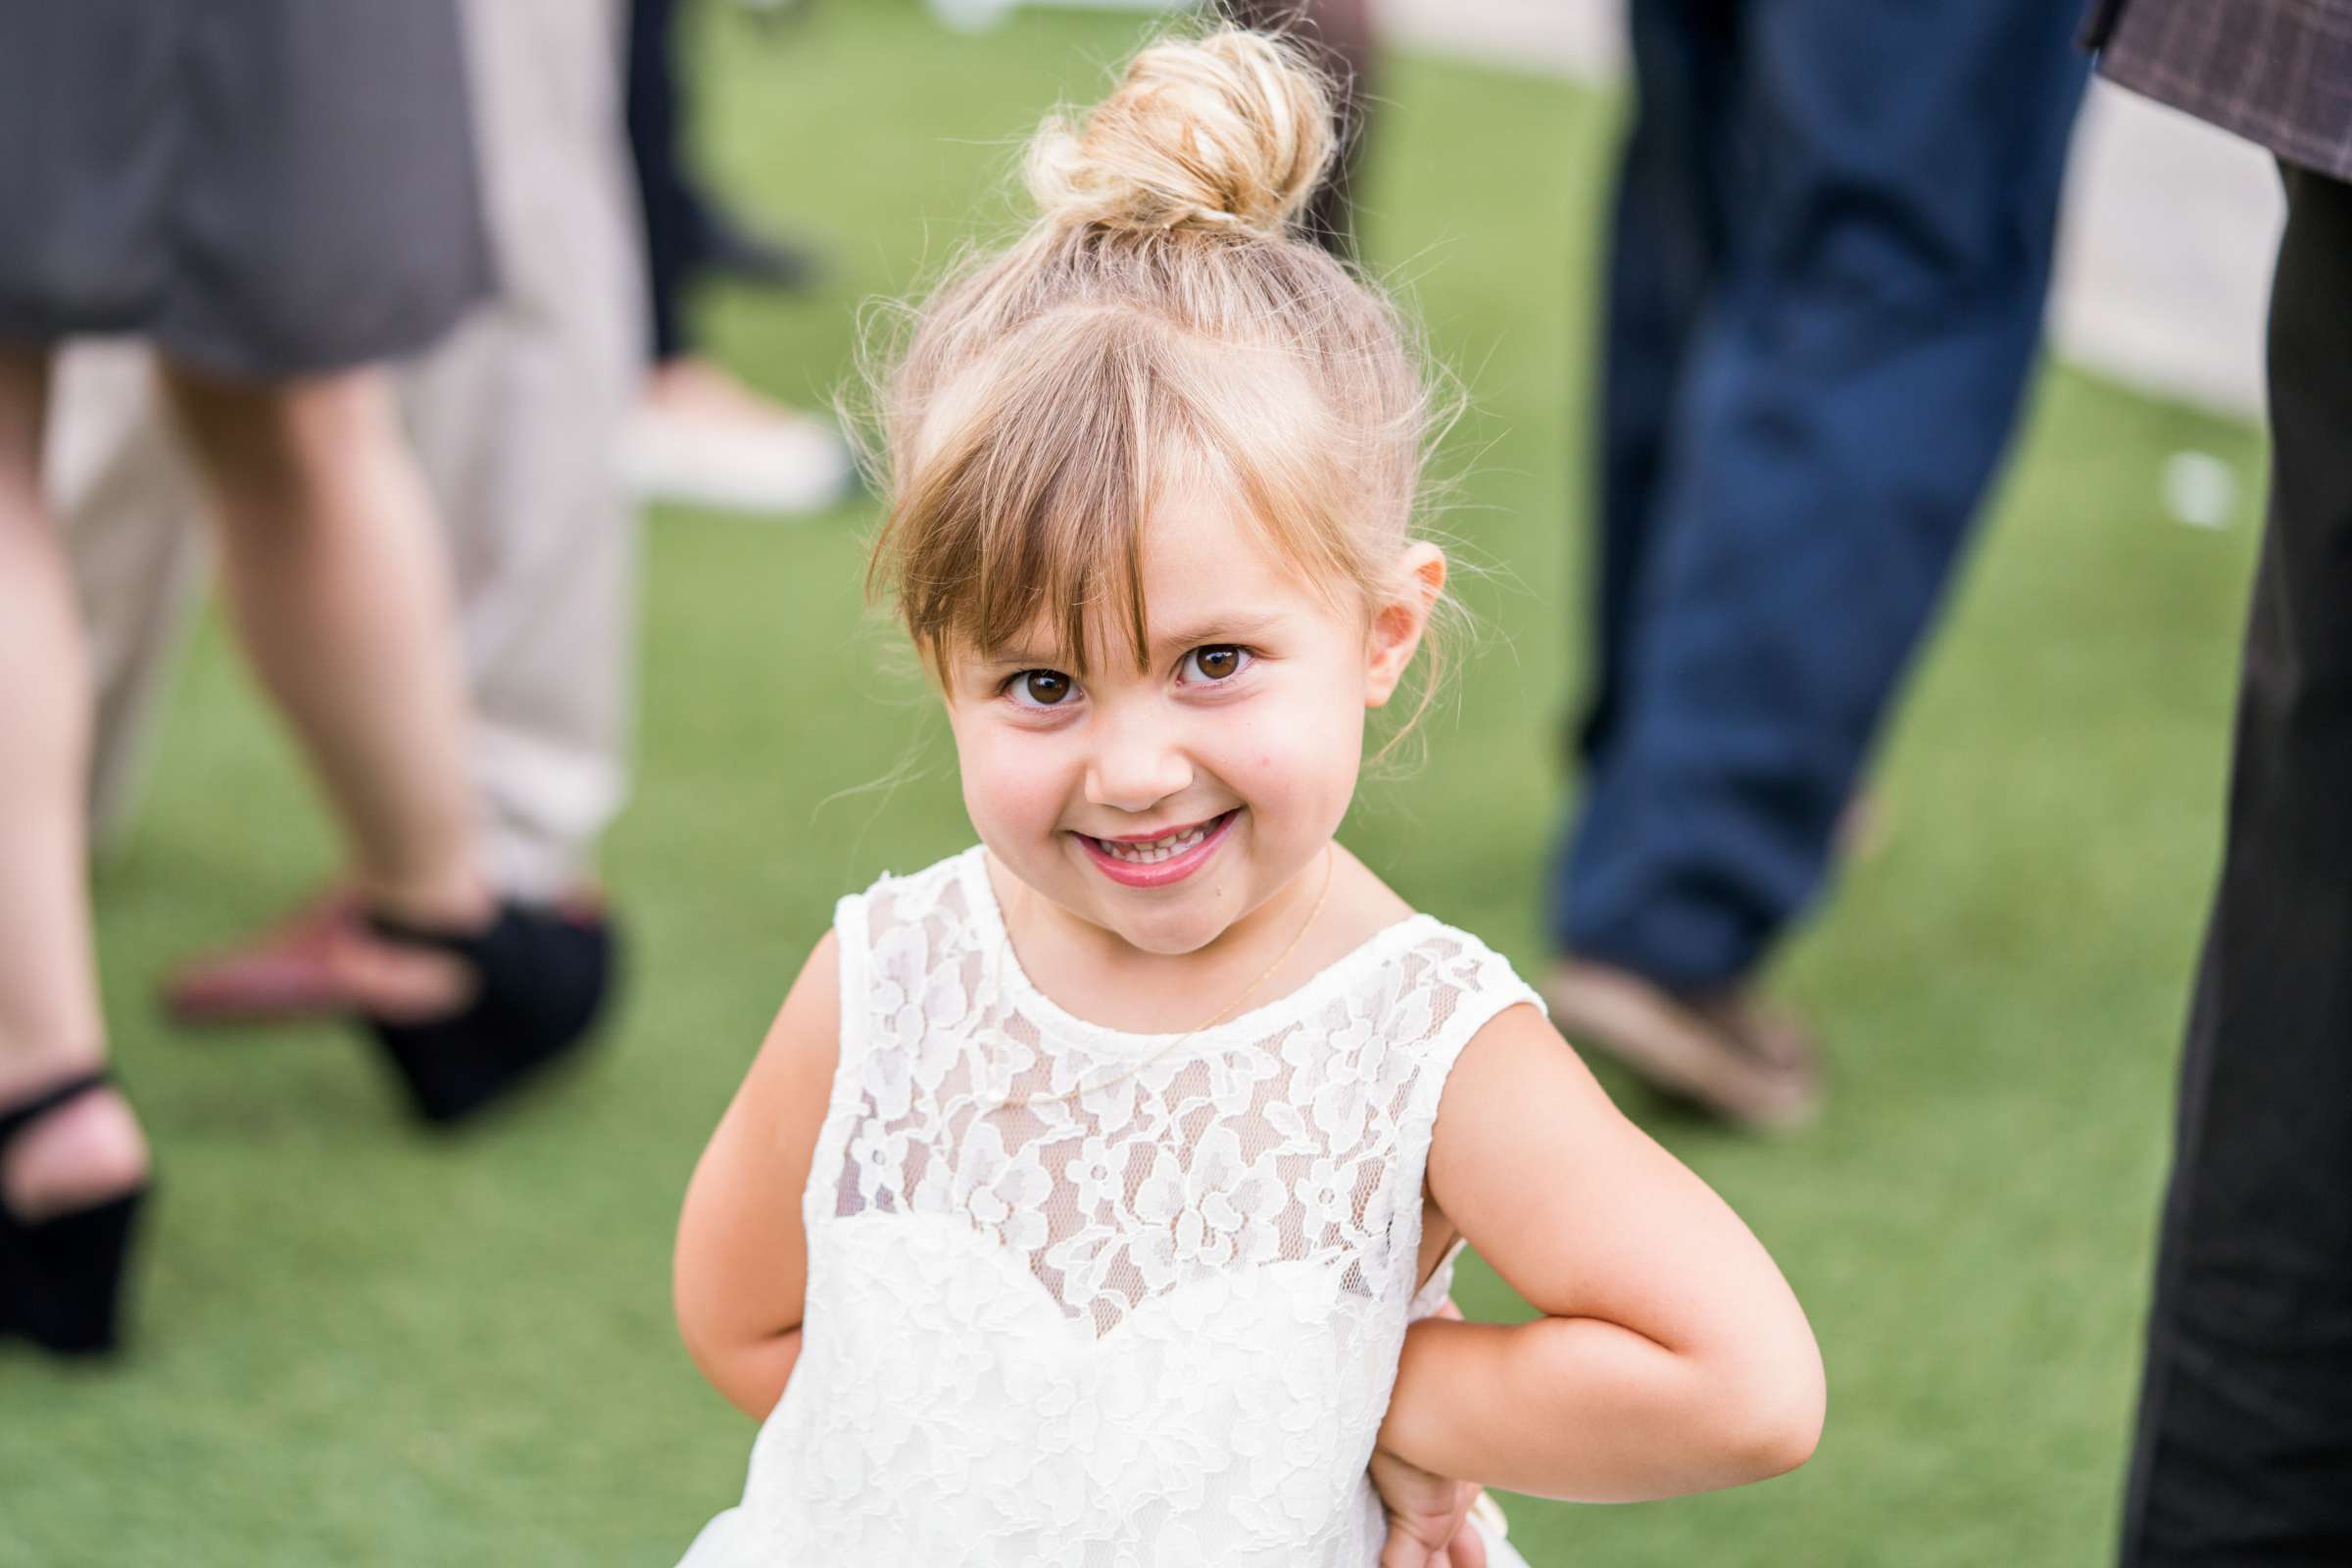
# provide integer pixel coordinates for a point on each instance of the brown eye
(1219, 662)
(1041, 688)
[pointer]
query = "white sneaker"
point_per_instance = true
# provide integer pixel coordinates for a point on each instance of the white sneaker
(701, 438)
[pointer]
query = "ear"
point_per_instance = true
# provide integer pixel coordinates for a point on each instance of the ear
(1399, 621)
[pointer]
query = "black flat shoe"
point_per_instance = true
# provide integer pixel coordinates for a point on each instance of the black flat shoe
(764, 260)
(61, 1278)
(542, 978)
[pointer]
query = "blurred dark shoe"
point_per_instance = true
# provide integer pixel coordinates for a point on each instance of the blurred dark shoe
(62, 1274)
(281, 975)
(765, 261)
(1727, 1054)
(542, 976)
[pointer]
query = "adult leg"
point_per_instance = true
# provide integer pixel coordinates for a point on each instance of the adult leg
(1688, 174)
(701, 435)
(1667, 237)
(542, 545)
(1339, 33)
(2243, 1452)
(333, 564)
(50, 1026)
(1859, 370)
(336, 581)
(666, 200)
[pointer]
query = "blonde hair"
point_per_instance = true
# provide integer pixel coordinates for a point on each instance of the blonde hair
(1161, 325)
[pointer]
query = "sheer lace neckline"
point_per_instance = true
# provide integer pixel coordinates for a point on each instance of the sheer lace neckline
(988, 916)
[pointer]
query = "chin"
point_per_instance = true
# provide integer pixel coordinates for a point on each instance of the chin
(1171, 937)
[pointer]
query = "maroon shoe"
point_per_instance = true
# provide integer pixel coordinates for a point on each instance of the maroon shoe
(281, 975)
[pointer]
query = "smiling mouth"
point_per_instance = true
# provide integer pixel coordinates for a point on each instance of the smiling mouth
(1168, 846)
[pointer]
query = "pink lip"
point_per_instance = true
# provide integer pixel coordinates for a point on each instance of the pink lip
(1160, 873)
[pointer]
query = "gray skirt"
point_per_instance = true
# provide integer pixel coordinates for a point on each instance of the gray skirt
(266, 188)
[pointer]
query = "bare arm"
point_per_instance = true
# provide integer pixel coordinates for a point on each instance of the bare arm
(742, 1262)
(1672, 1356)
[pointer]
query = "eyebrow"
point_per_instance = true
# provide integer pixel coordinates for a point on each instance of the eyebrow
(1218, 629)
(1208, 631)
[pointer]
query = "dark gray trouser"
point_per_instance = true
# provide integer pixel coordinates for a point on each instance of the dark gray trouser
(2244, 1455)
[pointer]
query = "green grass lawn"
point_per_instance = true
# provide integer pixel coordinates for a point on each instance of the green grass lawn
(362, 1345)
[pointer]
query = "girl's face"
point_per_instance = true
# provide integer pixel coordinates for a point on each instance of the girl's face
(1164, 804)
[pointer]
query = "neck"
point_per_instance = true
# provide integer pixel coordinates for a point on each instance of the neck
(1276, 921)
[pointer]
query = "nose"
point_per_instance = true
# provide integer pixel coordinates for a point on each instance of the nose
(1138, 760)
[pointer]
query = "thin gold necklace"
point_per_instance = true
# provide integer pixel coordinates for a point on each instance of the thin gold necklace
(1228, 1011)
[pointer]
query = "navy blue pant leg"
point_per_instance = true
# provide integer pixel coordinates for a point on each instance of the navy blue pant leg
(1793, 449)
(1667, 239)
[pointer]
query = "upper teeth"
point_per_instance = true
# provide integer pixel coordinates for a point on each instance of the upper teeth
(1154, 851)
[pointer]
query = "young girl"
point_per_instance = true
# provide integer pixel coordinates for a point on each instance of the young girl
(1094, 1198)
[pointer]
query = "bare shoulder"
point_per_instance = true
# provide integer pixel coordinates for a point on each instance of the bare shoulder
(1518, 1096)
(1518, 1045)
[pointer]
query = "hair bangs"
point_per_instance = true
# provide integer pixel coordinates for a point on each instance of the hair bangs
(1030, 522)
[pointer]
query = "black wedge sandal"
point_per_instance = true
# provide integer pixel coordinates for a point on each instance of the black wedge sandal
(61, 1277)
(542, 978)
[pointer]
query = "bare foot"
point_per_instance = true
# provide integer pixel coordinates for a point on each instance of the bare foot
(395, 980)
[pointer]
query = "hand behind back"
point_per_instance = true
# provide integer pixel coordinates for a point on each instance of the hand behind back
(1428, 1513)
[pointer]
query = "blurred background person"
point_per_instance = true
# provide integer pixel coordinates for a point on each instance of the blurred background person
(280, 197)
(2243, 1450)
(1339, 35)
(700, 435)
(514, 416)
(1831, 238)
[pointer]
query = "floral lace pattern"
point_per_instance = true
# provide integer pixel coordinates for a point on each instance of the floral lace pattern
(1091, 1298)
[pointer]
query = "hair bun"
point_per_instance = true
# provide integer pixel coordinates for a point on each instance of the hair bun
(1228, 133)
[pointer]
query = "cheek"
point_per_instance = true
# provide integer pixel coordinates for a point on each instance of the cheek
(1011, 785)
(1296, 766)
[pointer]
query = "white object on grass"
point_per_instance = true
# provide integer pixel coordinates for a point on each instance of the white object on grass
(790, 464)
(2200, 490)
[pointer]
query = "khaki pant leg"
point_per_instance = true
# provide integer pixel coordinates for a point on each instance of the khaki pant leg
(517, 419)
(127, 502)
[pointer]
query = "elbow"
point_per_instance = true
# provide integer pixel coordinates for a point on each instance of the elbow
(706, 1348)
(698, 1327)
(749, 1375)
(747, 1368)
(1779, 1444)
(1778, 1424)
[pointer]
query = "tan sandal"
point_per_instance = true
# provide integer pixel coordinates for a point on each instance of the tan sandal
(1729, 1054)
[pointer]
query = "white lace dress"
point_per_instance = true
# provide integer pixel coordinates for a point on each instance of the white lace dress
(1078, 1297)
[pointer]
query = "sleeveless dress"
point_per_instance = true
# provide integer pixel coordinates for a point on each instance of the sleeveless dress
(1084, 1297)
